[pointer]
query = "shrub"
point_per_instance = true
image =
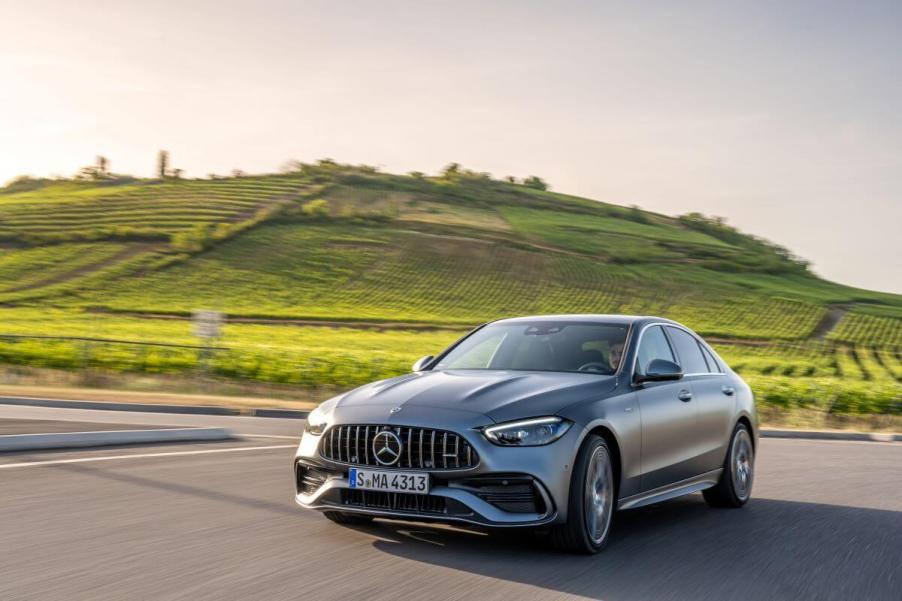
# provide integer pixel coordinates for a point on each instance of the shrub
(193, 240)
(316, 209)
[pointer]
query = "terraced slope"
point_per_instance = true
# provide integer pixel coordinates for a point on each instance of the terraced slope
(153, 210)
(378, 273)
(341, 245)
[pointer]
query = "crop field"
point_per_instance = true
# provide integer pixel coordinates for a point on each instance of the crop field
(869, 329)
(305, 356)
(821, 375)
(37, 267)
(807, 375)
(384, 274)
(76, 211)
(382, 269)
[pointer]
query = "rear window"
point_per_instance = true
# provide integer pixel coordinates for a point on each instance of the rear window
(713, 365)
(688, 351)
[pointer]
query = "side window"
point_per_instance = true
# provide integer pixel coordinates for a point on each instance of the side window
(654, 345)
(713, 365)
(688, 351)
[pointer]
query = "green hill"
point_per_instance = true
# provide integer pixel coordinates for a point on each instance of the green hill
(418, 258)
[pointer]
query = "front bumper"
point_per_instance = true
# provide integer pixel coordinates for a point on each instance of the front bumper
(509, 487)
(488, 500)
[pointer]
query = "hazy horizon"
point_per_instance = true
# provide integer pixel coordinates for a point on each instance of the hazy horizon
(783, 119)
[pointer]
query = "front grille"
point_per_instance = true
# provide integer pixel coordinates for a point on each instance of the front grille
(394, 501)
(421, 448)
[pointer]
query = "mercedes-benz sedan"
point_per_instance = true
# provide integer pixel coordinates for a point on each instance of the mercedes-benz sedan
(549, 422)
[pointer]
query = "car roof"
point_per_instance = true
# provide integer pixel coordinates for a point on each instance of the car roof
(588, 317)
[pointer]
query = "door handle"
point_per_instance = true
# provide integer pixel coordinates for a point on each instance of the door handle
(728, 390)
(685, 396)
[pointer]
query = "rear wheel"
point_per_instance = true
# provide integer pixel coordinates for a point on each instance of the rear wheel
(347, 519)
(735, 485)
(591, 503)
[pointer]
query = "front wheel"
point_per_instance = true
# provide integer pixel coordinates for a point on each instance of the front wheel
(591, 504)
(735, 485)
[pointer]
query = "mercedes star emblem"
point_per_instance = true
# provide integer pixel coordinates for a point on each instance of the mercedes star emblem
(387, 447)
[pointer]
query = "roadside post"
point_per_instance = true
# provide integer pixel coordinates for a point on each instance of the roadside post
(207, 327)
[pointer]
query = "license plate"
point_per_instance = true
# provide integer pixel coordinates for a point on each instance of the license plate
(412, 482)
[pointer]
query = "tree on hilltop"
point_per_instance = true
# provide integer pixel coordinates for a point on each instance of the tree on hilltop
(451, 171)
(162, 164)
(536, 182)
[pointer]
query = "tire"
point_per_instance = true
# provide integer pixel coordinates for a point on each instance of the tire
(593, 494)
(347, 519)
(735, 485)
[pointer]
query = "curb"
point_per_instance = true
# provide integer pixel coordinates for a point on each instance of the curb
(153, 408)
(832, 435)
(281, 413)
(108, 406)
(69, 440)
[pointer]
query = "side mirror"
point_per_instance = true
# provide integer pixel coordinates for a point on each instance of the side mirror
(660, 370)
(422, 362)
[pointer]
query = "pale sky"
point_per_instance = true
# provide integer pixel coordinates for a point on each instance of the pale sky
(784, 117)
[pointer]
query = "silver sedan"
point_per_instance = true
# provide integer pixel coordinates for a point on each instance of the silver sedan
(550, 422)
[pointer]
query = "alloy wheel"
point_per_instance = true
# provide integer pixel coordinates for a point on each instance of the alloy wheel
(742, 464)
(599, 495)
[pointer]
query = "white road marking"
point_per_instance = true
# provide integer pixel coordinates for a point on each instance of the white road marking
(872, 443)
(297, 438)
(141, 456)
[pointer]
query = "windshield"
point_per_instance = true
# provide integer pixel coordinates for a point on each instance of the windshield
(567, 346)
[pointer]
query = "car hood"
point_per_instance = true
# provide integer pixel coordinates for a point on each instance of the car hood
(499, 395)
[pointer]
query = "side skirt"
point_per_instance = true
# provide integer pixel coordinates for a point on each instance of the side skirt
(671, 491)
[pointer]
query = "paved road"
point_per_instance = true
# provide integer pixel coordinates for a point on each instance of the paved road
(50, 426)
(825, 523)
(239, 424)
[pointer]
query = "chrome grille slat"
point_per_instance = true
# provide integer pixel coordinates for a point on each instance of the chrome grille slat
(348, 444)
(343, 444)
(332, 442)
(432, 451)
(356, 456)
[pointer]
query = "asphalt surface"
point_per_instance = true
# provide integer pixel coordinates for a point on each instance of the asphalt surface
(217, 521)
(51, 426)
(240, 424)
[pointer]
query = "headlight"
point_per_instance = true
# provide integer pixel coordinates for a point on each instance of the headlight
(528, 432)
(316, 422)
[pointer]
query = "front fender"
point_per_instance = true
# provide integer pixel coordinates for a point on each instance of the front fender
(618, 419)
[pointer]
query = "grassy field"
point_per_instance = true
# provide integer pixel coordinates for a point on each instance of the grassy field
(813, 375)
(340, 246)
